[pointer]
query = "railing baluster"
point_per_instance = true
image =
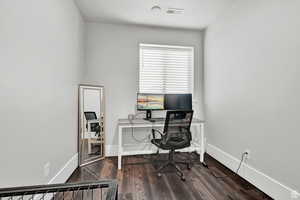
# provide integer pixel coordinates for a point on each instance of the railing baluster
(69, 191)
(101, 193)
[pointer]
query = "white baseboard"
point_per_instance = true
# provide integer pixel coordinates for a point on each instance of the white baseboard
(66, 171)
(111, 150)
(270, 186)
(137, 149)
(61, 177)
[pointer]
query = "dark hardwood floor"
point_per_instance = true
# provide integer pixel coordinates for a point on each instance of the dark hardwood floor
(140, 181)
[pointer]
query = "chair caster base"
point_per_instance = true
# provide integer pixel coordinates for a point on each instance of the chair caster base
(204, 165)
(172, 163)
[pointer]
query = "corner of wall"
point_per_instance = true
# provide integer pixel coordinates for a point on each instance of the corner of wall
(66, 171)
(270, 186)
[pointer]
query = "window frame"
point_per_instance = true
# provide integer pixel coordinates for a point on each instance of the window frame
(192, 48)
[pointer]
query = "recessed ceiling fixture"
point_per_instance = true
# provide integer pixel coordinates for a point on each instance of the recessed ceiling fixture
(177, 11)
(156, 9)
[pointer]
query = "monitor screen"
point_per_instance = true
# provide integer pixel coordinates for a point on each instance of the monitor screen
(150, 101)
(178, 102)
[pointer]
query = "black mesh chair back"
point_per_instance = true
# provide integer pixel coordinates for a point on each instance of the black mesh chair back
(177, 132)
(176, 135)
(90, 115)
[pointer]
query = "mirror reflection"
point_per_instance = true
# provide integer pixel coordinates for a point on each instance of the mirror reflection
(91, 140)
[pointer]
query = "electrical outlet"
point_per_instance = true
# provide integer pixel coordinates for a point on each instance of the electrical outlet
(247, 156)
(47, 169)
(295, 195)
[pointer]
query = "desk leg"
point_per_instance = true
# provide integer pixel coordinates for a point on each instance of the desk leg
(202, 145)
(89, 146)
(120, 149)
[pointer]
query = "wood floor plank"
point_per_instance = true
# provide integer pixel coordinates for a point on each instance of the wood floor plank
(158, 186)
(141, 186)
(193, 187)
(180, 190)
(140, 181)
(127, 184)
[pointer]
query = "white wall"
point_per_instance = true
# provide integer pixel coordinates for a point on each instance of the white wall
(92, 101)
(40, 69)
(252, 86)
(112, 56)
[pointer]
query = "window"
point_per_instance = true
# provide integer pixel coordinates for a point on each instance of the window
(166, 69)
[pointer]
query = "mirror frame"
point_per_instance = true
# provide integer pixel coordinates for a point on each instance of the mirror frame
(80, 120)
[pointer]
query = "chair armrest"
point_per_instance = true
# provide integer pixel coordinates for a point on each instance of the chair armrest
(156, 131)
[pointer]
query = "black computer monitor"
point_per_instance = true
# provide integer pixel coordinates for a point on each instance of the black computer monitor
(149, 102)
(178, 102)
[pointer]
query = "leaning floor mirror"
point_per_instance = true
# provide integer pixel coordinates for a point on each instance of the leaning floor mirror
(91, 139)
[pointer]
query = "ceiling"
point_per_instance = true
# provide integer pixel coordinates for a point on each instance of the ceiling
(198, 14)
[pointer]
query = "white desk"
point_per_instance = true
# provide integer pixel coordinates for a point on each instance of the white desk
(140, 123)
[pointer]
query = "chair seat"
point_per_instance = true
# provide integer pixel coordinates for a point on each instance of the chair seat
(174, 143)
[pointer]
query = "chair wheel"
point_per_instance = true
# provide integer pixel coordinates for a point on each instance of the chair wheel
(188, 167)
(182, 178)
(159, 174)
(204, 165)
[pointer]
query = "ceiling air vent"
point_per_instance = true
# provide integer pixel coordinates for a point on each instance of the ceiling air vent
(175, 11)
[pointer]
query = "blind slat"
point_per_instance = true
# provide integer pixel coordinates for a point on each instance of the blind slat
(166, 69)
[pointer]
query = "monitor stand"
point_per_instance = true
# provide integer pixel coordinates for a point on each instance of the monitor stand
(148, 115)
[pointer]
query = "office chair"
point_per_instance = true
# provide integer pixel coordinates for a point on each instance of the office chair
(90, 115)
(176, 135)
(95, 127)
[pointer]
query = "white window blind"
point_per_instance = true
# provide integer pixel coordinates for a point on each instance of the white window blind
(166, 69)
